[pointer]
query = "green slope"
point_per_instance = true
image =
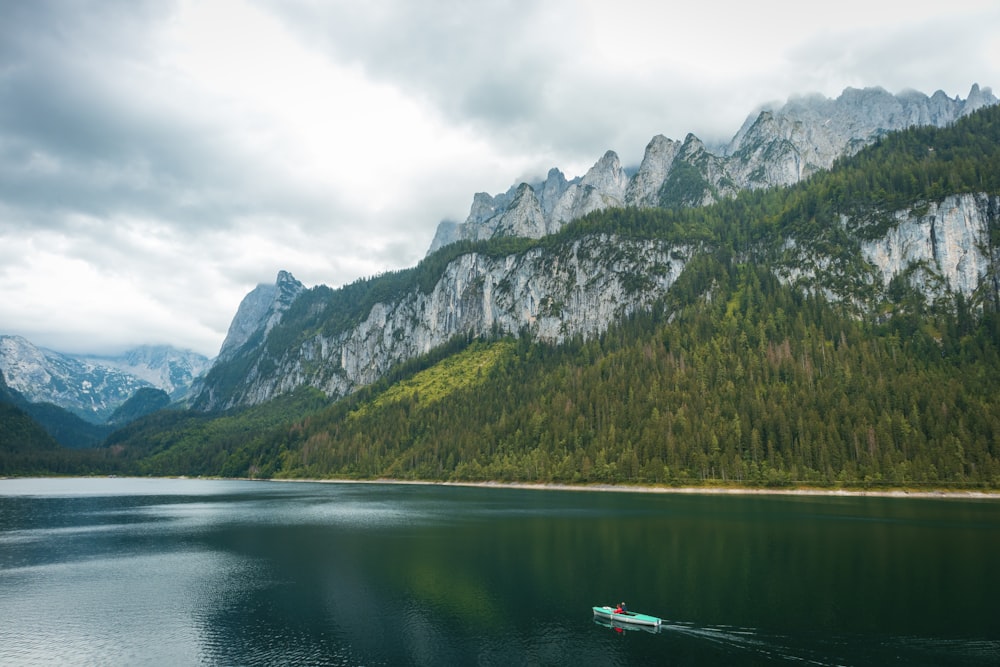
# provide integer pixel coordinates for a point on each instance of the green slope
(757, 386)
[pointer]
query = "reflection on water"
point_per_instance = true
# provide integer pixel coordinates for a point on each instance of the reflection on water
(112, 611)
(620, 627)
(191, 572)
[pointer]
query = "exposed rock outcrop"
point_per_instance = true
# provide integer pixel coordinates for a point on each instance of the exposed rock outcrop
(579, 290)
(259, 311)
(775, 146)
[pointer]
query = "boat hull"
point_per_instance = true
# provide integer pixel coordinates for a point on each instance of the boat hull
(626, 617)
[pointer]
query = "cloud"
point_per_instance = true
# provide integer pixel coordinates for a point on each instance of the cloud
(158, 159)
(570, 79)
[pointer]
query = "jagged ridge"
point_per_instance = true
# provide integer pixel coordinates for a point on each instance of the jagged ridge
(578, 286)
(774, 147)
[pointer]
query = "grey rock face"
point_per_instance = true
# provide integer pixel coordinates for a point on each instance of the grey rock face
(523, 217)
(259, 311)
(587, 284)
(775, 146)
(941, 250)
(603, 186)
(583, 288)
(946, 244)
(644, 188)
(534, 210)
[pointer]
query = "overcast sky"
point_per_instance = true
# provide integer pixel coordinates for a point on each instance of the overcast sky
(160, 159)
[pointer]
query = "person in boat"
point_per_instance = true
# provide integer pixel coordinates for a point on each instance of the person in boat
(620, 609)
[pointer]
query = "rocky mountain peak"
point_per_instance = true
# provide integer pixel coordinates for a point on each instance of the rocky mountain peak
(978, 99)
(607, 176)
(552, 189)
(288, 288)
(776, 145)
(657, 161)
(779, 144)
(523, 217)
(260, 310)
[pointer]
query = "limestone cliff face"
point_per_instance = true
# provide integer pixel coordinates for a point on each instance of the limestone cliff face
(603, 186)
(941, 249)
(260, 311)
(658, 160)
(946, 245)
(580, 289)
(583, 286)
(523, 217)
(532, 211)
(783, 145)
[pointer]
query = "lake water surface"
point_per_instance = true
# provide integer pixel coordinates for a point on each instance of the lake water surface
(185, 572)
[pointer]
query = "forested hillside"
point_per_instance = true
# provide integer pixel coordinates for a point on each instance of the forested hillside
(758, 386)
(27, 447)
(735, 377)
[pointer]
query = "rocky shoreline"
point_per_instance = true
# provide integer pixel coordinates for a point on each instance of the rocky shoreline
(690, 490)
(989, 494)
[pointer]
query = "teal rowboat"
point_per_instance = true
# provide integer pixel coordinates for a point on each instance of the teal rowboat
(626, 617)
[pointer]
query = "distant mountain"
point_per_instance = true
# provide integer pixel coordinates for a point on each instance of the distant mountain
(67, 428)
(144, 401)
(19, 432)
(92, 388)
(162, 366)
(60, 426)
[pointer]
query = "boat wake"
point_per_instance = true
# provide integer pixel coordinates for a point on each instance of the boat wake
(842, 651)
(742, 640)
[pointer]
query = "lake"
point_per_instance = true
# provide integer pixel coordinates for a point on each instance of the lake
(187, 572)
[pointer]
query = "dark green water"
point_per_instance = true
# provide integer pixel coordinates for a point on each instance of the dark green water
(176, 572)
